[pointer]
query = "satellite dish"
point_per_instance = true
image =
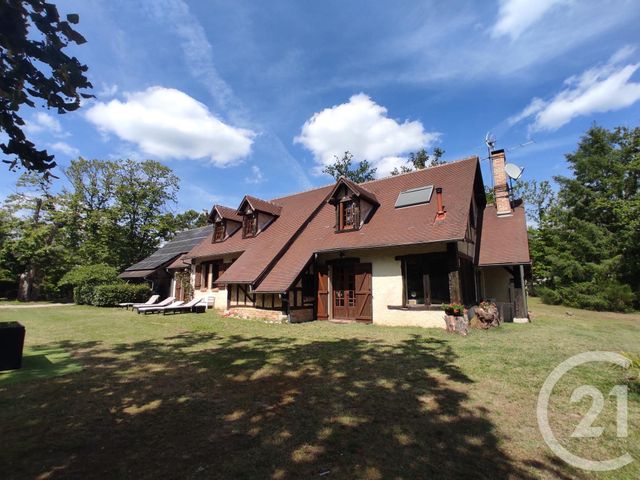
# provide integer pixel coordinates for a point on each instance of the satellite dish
(513, 170)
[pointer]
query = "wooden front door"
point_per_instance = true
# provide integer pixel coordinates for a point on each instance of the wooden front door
(364, 297)
(344, 292)
(322, 304)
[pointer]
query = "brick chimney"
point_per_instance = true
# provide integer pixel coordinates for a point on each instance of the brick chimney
(500, 189)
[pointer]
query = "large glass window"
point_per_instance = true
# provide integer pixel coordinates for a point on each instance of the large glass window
(426, 280)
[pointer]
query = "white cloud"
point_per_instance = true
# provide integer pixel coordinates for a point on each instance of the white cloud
(534, 107)
(516, 16)
(600, 89)
(42, 121)
(65, 148)
(167, 123)
(362, 127)
(256, 175)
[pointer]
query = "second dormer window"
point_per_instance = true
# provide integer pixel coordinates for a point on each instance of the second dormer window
(250, 225)
(218, 232)
(348, 215)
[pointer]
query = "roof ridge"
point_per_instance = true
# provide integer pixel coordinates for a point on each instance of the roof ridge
(304, 191)
(458, 160)
(263, 200)
(447, 164)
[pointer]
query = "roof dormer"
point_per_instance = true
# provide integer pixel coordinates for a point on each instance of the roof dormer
(354, 205)
(256, 215)
(225, 222)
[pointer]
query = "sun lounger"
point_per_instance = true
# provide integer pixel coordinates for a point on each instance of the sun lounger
(158, 309)
(194, 306)
(164, 303)
(152, 300)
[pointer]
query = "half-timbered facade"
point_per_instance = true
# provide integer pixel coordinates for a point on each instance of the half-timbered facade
(391, 251)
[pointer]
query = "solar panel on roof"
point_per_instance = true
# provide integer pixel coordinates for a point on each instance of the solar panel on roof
(415, 196)
(181, 243)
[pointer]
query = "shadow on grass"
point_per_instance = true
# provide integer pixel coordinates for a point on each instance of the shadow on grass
(40, 363)
(252, 408)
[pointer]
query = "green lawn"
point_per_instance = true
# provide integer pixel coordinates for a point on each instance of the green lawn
(111, 394)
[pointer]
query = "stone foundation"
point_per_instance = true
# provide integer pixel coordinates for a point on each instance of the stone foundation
(250, 312)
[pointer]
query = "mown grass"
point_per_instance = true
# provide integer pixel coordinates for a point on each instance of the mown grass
(201, 396)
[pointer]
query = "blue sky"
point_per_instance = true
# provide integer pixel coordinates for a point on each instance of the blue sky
(254, 97)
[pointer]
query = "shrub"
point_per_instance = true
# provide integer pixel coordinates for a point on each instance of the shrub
(83, 278)
(618, 297)
(113, 294)
(83, 294)
(609, 296)
(548, 296)
(98, 274)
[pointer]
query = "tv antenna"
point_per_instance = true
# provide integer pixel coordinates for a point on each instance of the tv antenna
(490, 141)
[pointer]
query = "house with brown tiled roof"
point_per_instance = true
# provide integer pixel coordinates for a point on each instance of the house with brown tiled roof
(390, 251)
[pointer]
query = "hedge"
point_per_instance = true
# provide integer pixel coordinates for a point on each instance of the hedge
(610, 296)
(83, 294)
(113, 294)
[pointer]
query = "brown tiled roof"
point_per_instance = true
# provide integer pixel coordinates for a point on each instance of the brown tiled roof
(258, 252)
(180, 262)
(504, 240)
(261, 205)
(388, 225)
(226, 212)
(357, 189)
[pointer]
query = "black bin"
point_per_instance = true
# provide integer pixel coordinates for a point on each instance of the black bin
(11, 345)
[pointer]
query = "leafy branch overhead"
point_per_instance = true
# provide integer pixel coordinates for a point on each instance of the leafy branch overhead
(35, 71)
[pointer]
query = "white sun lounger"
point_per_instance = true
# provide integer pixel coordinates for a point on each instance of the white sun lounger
(186, 308)
(158, 309)
(152, 300)
(164, 303)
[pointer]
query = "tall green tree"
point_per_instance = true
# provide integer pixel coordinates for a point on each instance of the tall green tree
(587, 247)
(420, 160)
(35, 70)
(117, 212)
(343, 167)
(142, 193)
(32, 247)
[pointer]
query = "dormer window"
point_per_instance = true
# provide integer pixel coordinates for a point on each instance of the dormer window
(218, 231)
(249, 225)
(348, 215)
(256, 215)
(225, 222)
(354, 205)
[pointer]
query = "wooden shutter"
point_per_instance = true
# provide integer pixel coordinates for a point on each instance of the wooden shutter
(323, 294)
(364, 307)
(198, 279)
(205, 277)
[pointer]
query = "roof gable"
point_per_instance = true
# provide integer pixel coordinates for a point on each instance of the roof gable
(224, 213)
(356, 189)
(259, 205)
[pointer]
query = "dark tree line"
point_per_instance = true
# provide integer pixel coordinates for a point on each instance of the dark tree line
(109, 213)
